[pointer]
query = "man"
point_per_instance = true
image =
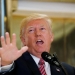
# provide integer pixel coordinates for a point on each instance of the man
(36, 36)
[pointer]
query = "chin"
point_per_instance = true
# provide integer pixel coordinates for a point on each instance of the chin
(40, 51)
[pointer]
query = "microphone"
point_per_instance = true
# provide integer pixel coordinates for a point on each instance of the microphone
(53, 60)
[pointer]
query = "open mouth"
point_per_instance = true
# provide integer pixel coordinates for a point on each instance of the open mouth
(39, 42)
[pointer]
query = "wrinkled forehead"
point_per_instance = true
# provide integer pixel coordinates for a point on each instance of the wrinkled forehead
(38, 23)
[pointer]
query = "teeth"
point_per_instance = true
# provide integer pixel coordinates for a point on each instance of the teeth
(39, 40)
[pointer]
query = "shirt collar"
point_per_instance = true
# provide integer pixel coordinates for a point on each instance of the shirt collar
(36, 59)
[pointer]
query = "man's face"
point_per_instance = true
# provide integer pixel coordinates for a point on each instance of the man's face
(38, 36)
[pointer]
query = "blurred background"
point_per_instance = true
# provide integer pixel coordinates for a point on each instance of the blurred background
(62, 14)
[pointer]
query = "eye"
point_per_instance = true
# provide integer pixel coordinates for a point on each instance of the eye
(42, 28)
(31, 30)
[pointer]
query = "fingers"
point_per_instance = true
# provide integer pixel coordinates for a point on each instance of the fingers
(14, 39)
(7, 41)
(7, 38)
(0, 52)
(3, 41)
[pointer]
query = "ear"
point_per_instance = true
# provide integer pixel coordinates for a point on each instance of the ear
(52, 37)
(23, 41)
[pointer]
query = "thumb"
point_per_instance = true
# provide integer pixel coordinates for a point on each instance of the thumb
(23, 49)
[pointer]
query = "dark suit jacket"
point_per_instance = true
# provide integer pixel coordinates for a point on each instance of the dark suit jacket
(25, 65)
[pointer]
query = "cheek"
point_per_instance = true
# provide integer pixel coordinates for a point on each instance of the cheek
(26, 40)
(29, 40)
(49, 38)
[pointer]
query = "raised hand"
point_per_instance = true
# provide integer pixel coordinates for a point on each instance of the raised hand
(9, 51)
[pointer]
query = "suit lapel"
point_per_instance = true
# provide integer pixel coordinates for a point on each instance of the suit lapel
(56, 70)
(31, 64)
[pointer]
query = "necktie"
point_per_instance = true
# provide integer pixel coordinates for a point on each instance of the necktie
(41, 67)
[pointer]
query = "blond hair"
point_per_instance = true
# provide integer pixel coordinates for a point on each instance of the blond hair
(32, 17)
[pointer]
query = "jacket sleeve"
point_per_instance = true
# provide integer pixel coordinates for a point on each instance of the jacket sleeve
(9, 72)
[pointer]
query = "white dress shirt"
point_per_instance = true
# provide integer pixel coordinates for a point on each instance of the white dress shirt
(47, 66)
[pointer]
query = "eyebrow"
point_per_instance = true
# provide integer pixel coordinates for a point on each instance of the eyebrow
(42, 26)
(30, 27)
(33, 26)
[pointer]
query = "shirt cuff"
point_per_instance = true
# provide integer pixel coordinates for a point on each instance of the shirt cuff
(6, 68)
(0, 64)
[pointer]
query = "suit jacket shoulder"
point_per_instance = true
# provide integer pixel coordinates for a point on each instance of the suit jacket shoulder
(70, 69)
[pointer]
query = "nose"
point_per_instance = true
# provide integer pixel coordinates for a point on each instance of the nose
(37, 32)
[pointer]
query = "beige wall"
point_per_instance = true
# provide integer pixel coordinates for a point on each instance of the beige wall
(15, 28)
